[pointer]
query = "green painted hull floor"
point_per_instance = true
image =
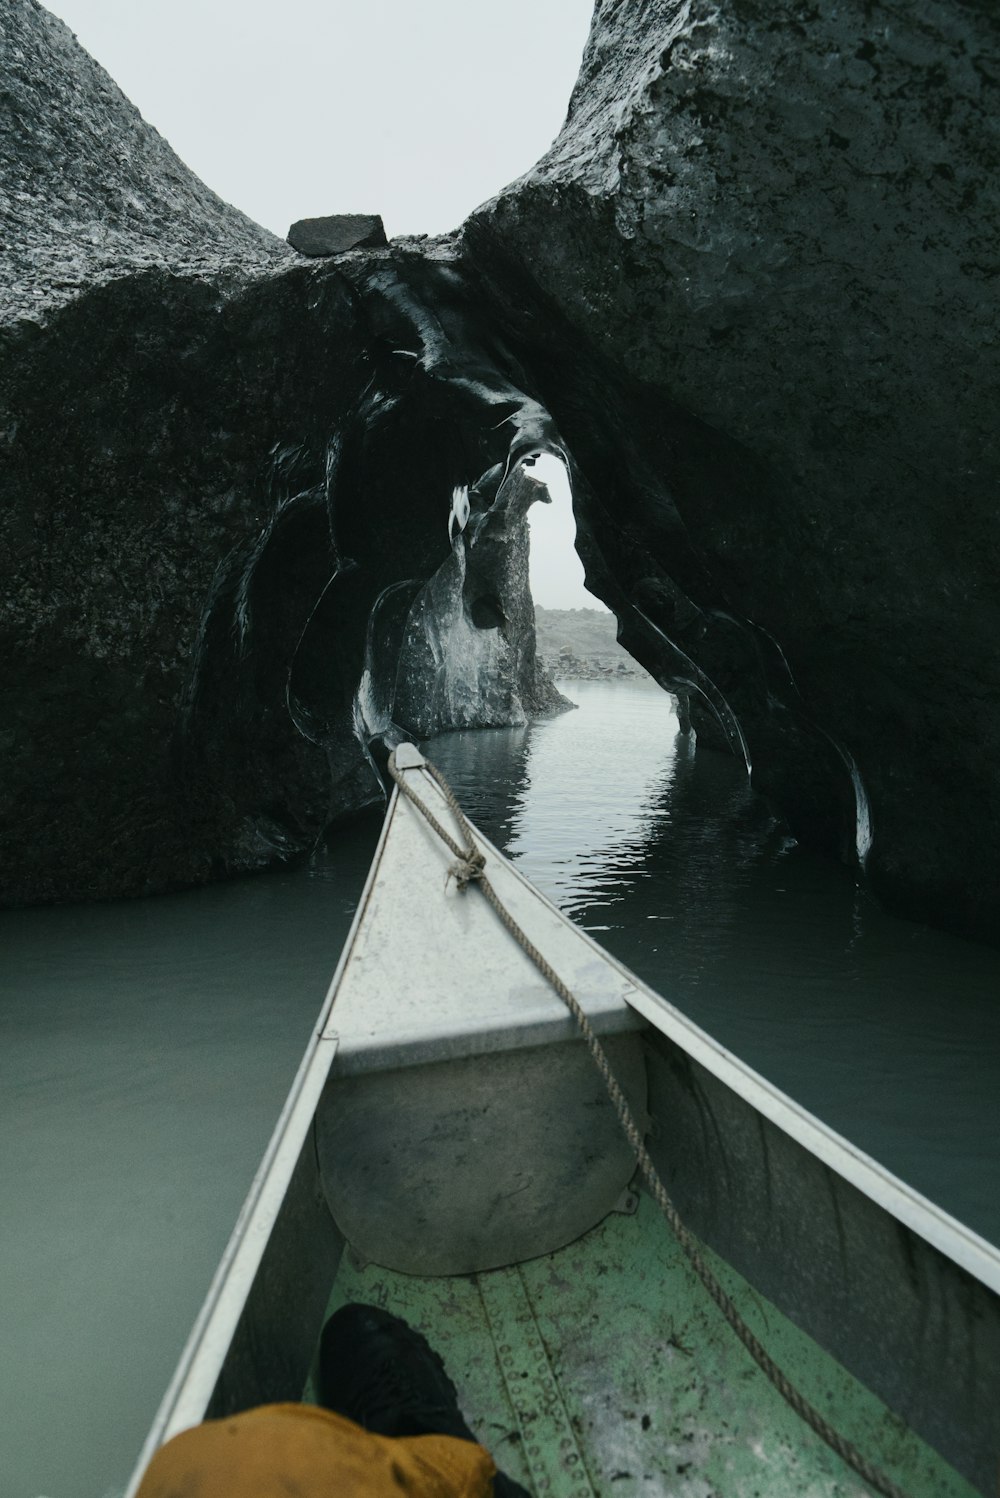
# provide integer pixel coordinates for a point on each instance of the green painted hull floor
(604, 1369)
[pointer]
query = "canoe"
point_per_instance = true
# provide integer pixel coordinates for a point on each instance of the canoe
(449, 1150)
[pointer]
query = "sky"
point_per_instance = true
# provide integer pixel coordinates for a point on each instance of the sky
(554, 569)
(416, 109)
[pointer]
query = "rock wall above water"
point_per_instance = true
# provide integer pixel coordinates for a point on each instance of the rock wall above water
(227, 472)
(468, 658)
(755, 282)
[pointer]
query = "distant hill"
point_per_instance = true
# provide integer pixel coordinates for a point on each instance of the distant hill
(580, 644)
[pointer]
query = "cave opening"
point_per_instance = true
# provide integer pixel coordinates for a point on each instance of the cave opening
(578, 634)
(556, 571)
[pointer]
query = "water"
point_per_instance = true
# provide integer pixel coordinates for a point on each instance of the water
(147, 1049)
(148, 1045)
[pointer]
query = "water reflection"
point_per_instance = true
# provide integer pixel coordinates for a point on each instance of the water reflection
(887, 1030)
(587, 839)
(546, 797)
(487, 769)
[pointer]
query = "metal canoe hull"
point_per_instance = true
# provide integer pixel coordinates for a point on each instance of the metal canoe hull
(898, 1292)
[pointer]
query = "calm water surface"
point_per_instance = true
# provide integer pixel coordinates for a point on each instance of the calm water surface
(147, 1049)
(147, 1046)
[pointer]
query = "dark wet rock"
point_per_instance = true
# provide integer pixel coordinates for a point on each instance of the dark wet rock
(755, 282)
(337, 233)
(227, 472)
(216, 558)
(469, 652)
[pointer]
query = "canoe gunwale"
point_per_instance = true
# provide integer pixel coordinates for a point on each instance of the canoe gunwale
(953, 1239)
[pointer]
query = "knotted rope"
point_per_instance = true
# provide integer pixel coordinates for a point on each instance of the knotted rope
(469, 867)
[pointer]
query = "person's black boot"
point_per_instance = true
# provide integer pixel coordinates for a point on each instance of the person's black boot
(383, 1375)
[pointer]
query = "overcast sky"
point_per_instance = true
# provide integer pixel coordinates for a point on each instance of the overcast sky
(416, 109)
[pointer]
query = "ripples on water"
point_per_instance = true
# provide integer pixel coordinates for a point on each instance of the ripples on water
(148, 1045)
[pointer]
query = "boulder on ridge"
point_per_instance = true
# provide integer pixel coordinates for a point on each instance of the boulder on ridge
(337, 233)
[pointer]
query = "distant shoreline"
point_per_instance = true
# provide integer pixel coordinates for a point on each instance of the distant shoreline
(581, 645)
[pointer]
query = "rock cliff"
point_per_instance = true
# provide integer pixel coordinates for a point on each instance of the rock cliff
(749, 295)
(227, 472)
(755, 282)
(468, 657)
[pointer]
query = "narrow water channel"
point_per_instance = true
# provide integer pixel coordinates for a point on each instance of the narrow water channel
(147, 1045)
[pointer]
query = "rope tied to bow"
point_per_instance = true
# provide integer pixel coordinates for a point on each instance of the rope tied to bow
(470, 867)
(466, 868)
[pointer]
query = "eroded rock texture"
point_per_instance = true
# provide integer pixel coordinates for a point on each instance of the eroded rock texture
(755, 282)
(468, 658)
(749, 295)
(224, 470)
(88, 191)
